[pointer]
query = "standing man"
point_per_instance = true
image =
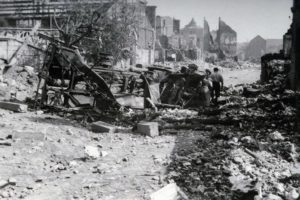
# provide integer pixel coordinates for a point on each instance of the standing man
(218, 83)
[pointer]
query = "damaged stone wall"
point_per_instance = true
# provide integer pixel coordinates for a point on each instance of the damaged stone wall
(191, 36)
(30, 54)
(295, 70)
(165, 26)
(227, 39)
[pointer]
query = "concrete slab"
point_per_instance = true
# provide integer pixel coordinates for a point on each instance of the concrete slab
(28, 135)
(102, 127)
(148, 128)
(169, 192)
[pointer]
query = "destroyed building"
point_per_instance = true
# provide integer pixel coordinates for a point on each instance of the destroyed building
(256, 48)
(168, 39)
(208, 41)
(191, 40)
(226, 40)
(219, 44)
(295, 69)
(164, 26)
(19, 17)
(176, 26)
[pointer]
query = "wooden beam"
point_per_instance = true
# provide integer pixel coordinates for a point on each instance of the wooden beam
(16, 107)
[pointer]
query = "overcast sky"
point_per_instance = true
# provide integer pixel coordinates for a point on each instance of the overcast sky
(268, 18)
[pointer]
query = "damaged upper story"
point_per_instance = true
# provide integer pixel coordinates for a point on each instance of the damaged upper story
(227, 39)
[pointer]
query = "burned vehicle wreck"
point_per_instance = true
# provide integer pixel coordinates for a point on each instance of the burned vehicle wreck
(68, 82)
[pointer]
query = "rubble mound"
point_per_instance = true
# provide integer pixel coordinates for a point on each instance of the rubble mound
(17, 83)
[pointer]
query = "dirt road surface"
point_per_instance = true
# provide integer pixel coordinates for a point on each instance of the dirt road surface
(240, 76)
(46, 160)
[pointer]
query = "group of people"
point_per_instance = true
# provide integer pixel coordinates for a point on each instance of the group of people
(210, 87)
(186, 84)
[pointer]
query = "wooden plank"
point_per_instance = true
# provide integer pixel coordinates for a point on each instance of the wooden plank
(16, 107)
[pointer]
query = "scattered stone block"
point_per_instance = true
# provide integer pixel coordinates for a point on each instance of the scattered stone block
(4, 194)
(12, 181)
(28, 135)
(91, 152)
(247, 139)
(70, 132)
(273, 197)
(169, 192)
(73, 163)
(238, 160)
(3, 183)
(16, 107)
(104, 153)
(39, 112)
(280, 187)
(276, 136)
(148, 128)
(292, 195)
(102, 127)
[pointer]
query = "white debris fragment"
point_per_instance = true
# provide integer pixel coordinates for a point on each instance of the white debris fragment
(169, 192)
(104, 153)
(292, 194)
(70, 132)
(276, 136)
(29, 70)
(91, 152)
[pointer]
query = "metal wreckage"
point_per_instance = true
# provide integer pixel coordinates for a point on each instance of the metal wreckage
(68, 83)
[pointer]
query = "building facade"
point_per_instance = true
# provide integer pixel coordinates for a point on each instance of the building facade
(192, 40)
(191, 36)
(176, 26)
(15, 15)
(227, 39)
(256, 49)
(164, 26)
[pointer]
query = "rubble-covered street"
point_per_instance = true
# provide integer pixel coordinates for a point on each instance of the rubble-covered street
(109, 100)
(230, 152)
(46, 157)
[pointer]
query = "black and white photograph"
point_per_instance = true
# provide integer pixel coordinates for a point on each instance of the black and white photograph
(150, 99)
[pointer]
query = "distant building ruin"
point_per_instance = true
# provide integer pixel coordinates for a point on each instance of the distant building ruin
(256, 49)
(222, 42)
(192, 39)
(226, 40)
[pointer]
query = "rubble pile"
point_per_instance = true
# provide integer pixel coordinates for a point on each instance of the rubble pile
(17, 83)
(201, 172)
(230, 64)
(220, 165)
(264, 111)
(177, 113)
(249, 153)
